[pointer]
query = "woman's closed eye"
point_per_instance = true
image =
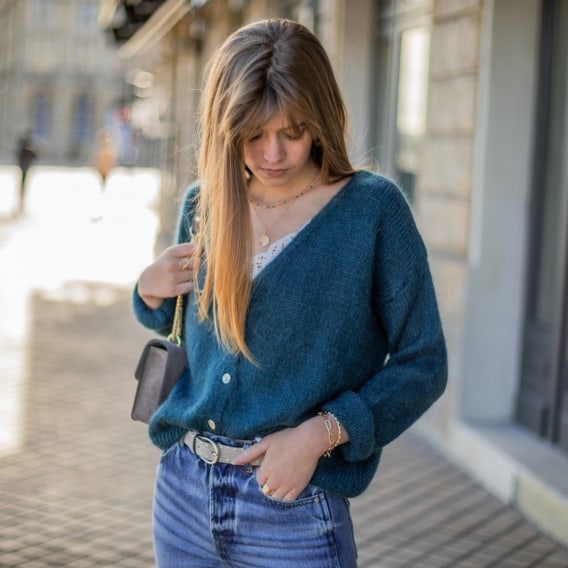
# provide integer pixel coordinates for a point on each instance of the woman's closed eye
(291, 133)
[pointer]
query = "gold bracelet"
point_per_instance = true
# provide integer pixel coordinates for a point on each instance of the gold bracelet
(338, 441)
(329, 428)
(327, 423)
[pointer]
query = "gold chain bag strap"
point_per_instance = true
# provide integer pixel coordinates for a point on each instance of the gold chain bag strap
(161, 364)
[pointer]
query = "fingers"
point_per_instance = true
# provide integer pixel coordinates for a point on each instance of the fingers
(287, 465)
(276, 489)
(178, 262)
(267, 490)
(184, 263)
(183, 249)
(182, 254)
(281, 493)
(291, 495)
(280, 490)
(250, 454)
(170, 275)
(182, 259)
(183, 288)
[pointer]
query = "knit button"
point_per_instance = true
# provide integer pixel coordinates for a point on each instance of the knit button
(226, 378)
(211, 424)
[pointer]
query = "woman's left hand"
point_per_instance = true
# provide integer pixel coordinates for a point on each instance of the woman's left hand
(289, 458)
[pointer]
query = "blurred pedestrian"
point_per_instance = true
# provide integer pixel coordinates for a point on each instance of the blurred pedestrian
(311, 324)
(104, 158)
(26, 154)
(105, 155)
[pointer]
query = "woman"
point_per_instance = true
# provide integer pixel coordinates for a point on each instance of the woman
(311, 325)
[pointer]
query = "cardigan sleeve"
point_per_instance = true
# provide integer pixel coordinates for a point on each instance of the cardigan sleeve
(415, 372)
(160, 320)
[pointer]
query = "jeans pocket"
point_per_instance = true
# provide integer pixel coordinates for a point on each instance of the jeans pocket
(310, 494)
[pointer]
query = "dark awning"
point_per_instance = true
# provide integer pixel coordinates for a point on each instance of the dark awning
(138, 24)
(123, 18)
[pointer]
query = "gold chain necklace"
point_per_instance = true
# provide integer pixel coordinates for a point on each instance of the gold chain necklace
(264, 239)
(274, 204)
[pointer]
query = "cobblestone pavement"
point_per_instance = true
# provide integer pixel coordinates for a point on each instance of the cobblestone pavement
(76, 473)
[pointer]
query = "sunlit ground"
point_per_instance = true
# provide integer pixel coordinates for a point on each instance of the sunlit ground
(70, 234)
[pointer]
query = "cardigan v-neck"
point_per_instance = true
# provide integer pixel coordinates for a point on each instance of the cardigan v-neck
(307, 228)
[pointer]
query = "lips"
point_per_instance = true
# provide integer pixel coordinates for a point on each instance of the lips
(273, 173)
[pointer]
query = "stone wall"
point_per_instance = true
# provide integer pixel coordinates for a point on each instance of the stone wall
(443, 202)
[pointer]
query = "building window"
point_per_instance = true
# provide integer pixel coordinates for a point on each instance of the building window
(542, 404)
(41, 116)
(411, 105)
(402, 68)
(82, 120)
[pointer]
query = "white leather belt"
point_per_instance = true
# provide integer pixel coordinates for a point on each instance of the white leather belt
(211, 451)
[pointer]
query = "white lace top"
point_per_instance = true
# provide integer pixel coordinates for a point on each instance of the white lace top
(260, 260)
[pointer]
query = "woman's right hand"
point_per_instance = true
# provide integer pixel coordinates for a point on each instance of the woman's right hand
(168, 276)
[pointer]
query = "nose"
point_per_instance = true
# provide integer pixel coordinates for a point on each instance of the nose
(273, 150)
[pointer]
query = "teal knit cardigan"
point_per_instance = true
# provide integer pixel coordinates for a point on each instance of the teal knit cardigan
(344, 319)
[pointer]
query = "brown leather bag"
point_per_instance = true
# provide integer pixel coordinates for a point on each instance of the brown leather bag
(160, 366)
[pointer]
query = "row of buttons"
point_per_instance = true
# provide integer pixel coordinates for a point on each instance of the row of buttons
(226, 379)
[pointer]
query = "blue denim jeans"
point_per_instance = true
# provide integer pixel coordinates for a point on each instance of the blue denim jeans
(216, 516)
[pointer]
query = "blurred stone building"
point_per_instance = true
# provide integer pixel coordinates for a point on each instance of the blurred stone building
(59, 78)
(464, 104)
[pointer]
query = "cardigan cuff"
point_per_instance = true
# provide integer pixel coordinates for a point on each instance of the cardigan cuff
(357, 419)
(159, 319)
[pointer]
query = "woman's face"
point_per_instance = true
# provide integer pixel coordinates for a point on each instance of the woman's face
(279, 156)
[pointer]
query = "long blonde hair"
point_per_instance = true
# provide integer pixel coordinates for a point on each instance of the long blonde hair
(262, 68)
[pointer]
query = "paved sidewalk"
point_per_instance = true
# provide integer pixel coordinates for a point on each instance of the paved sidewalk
(76, 473)
(78, 491)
